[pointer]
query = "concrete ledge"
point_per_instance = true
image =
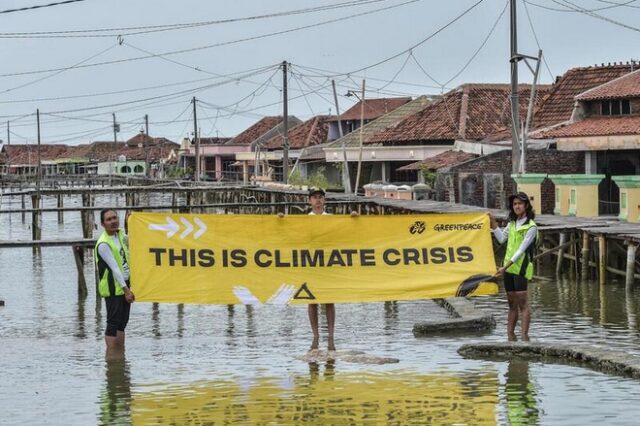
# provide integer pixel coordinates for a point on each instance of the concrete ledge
(608, 361)
(465, 317)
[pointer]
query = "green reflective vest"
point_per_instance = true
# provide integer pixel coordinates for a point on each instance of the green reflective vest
(107, 285)
(524, 265)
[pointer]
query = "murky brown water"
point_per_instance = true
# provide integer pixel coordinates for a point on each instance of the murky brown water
(237, 365)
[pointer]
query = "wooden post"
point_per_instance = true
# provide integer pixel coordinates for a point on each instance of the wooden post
(78, 255)
(563, 239)
(584, 273)
(631, 265)
(36, 221)
(602, 260)
(24, 207)
(60, 206)
(174, 202)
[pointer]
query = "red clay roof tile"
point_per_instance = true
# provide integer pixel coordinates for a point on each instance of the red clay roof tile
(373, 108)
(558, 106)
(627, 86)
(255, 131)
(311, 132)
(597, 126)
(469, 112)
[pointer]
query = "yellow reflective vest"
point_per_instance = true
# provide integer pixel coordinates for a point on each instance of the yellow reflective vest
(107, 285)
(524, 265)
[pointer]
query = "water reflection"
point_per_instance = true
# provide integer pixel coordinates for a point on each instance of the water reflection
(520, 394)
(180, 329)
(398, 397)
(81, 330)
(155, 320)
(115, 398)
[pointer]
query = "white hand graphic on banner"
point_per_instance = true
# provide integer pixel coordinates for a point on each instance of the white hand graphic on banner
(245, 296)
(281, 297)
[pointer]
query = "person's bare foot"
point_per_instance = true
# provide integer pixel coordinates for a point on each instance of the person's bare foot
(331, 346)
(314, 344)
(525, 338)
(512, 337)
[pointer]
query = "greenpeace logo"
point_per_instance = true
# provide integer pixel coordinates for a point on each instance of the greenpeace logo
(418, 227)
(457, 227)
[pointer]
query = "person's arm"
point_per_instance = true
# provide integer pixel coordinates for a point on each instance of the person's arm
(105, 253)
(501, 234)
(528, 240)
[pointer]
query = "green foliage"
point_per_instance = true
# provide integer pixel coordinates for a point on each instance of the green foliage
(429, 177)
(295, 178)
(179, 172)
(317, 179)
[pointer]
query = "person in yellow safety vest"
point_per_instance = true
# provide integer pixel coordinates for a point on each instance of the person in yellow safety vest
(111, 256)
(520, 234)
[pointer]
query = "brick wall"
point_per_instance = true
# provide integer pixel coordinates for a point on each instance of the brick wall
(538, 161)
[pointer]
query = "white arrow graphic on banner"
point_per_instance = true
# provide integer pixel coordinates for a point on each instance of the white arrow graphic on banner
(202, 229)
(188, 227)
(171, 227)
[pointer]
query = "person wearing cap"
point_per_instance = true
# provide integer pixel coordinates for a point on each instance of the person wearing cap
(317, 202)
(520, 235)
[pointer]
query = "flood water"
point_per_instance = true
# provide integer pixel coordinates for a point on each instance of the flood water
(196, 364)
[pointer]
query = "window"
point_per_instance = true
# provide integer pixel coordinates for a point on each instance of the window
(615, 107)
(125, 169)
(138, 169)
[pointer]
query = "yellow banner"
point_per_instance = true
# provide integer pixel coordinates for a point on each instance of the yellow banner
(256, 259)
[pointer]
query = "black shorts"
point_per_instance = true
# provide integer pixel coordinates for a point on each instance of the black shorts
(514, 282)
(118, 310)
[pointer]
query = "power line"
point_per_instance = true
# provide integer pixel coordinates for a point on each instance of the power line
(421, 42)
(484, 42)
(60, 71)
(129, 31)
(250, 72)
(225, 43)
(535, 36)
(571, 10)
(40, 6)
(577, 8)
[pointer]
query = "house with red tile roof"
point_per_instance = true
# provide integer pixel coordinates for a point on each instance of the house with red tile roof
(305, 139)
(571, 109)
(468, 113)
(366, 112)
(147, 152)
(219, 160)
(603, 124)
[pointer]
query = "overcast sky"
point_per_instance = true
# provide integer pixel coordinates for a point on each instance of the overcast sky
(239, 81)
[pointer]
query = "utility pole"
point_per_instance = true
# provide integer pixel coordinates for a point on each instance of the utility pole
(146, 125)
(355, 188)
(515, 100)
(8, 134)
(346, 179)
(115, 147)
(39, 170)
(196, 139)
(285, 132)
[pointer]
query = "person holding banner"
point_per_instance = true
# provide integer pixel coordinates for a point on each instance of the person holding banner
(111, 255)
(317, 202)
(520, 234)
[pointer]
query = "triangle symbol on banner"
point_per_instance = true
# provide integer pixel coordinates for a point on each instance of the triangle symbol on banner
(304, 293)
